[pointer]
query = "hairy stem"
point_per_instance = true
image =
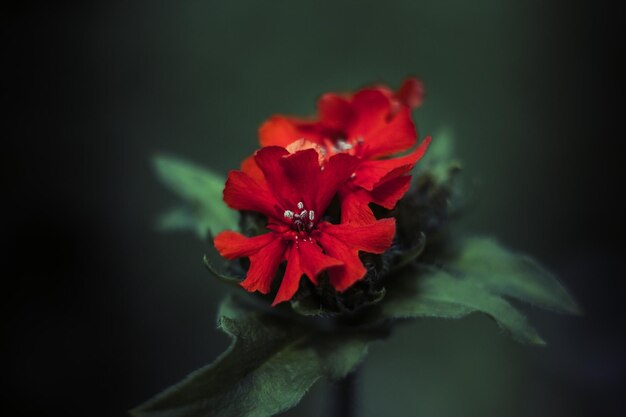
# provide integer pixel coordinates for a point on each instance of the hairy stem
(345, 396)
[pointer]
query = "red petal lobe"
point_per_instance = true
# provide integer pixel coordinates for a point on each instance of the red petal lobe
(232, 245)
(291, 279)
(371, 172)
(411, 92)
(263, 266)
(303, 171)
(388, 193)
(352, 270)
(335, 112)
(278, 131)
(313, 261)
(243, 193)
(250, 167)
(344, 242)
(268, 159)
(391, 136)
(355, 207)
(371, 109)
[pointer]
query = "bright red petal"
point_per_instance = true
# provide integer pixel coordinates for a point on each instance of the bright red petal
(263, 266)
(335, 112)
(392, 135)
(316, 187)
(250, 167)
(355, 207)
(291, 279)
(344, 243)
(243, 193)
(232, 245)
(278, 131)
(373, 238)
(352, 270)
(371, 109)
(282, 130)
(336, 173)
(268, 159)
(411, 92)
(313, 261)
(355, 201)
(387, 92)
(304, 257)
(303, 171)
(388, 193)
(372, 172)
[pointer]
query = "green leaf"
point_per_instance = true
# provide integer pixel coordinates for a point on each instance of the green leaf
(180, 218)
(439, 294)
(442, 147)
(439, 160)
(514, 275)
(267, 369)
(477, 280)
(201, 189)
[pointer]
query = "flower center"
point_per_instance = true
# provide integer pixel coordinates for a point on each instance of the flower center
(301, 219)
(342, 145)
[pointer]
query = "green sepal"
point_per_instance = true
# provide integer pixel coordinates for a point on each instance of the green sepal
(222, 277)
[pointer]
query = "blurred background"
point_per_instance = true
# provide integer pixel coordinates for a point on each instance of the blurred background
(100, 311)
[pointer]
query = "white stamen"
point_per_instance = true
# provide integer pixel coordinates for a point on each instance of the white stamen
(343, 145)
(303, 221)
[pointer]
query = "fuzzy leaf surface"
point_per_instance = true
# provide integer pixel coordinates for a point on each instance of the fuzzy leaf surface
(268, 368)
(204, 210)
(479, 278)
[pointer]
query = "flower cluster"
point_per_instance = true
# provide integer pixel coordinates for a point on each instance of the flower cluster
(314, 181)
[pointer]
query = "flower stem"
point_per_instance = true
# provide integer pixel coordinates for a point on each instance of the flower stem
(345, 396)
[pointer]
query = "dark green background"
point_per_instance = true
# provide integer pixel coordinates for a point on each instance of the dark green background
(101, 311)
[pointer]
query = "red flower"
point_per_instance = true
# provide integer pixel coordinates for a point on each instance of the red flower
(373, 124)
(294, 191)
(410, 94)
